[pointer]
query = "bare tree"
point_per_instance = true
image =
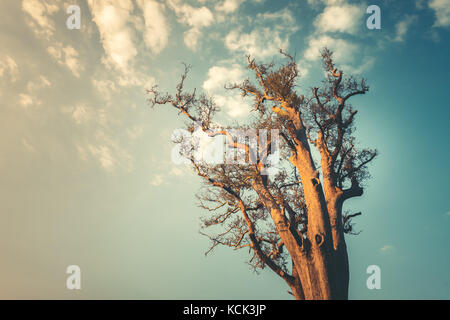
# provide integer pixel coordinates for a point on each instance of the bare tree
(291, 221)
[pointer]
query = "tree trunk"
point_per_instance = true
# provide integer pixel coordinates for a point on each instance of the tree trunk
(326, 253)
(319, 258)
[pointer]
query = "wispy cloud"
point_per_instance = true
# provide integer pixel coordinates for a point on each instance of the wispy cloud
(157, 180)
(26, 100)
(8, 67)
(402, 27)
(388, 248)
(228, 6)
(197, 18)
(68, 56)
(441, 9)
(157, 28)
(259, 43)
(343, 49)
(41, 82)
(40, 12)
(266, 39)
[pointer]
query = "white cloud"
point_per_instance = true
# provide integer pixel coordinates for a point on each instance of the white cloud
(195, 18)
(40, 11)
(228, 6)
(260, 43)
(111, 18)
(327, 2)
(345, 53)
(420, 4)
(105, 87)
(8, 66)
(340, 18)
(157, 29)
(71, 60)
(234, 105)
(441, 9)
(81, 114)
(231, 102)
(135, 132)
(387, 248)
(366, 64)
(271, 33)
(95, 137)
(282, 20)
(26, 100)
(179, 171)
(42, 82)
(104, 156)
(343, 50)
(115, 22)
(401, 28)
(106, 151)
(157, 180)
(28, 145)
(218, 76)
(67, 56)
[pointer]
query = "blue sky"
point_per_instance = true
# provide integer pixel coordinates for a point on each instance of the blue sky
(87, 177)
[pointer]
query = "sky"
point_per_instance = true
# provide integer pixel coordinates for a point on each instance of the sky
(87, 175)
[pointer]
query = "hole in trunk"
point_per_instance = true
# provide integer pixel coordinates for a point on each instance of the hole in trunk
(319, 239)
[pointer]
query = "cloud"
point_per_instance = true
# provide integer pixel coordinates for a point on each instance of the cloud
(420, 4)
(157, 29)
(40, 11)
(317, 3)
(441, 9)
(387, 248)
(104, 156)
(234, 105)
(179, 171)
(157, 180)
(114, 20)
(71, 60)
(271, 33)
(343, 50)
(111, 18)
(135, 132)
(8, 66)
(67, 56)
(195, 18)
(28, 146)
(42, 82)
(26, 100)
(218, 76)
(106, 151)
(232, 102)
(401, 28)
(96, 138)
(228, 6)
(345, 53)
(260, 43)
(283, 20)
(80, 114)
(340, 18)
(366, 64)
(105, 87)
